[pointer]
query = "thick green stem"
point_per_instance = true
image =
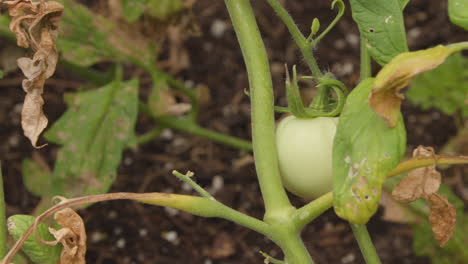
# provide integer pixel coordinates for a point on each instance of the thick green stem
(277, 204)
(294, 249)
(365, 244)
(365, 68)
(312, 210)
(301, 41)
(3, 232)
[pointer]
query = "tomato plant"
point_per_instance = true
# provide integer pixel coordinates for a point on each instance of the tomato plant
(305, 154)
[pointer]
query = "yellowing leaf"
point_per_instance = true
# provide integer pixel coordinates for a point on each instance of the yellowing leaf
(385, 97)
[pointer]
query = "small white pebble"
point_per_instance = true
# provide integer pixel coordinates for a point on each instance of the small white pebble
(340, 44)
(118, 230)
(171, 211)
(171, 236)
(217, 184)
(186, 187)
(218, 28)
(208, 261)
(112, 215)
(143, 232)
(128, 161)
(352, 39)
(97, 237)
(189, 84)
(166, 134)
(120, 243)
(348, 258)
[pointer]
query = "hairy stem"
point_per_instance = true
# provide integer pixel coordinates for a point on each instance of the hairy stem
(301, 41)
(277, 204)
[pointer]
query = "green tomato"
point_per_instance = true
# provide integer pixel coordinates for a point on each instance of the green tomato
(305, 154)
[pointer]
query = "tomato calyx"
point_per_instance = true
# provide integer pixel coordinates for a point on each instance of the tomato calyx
(323, 104)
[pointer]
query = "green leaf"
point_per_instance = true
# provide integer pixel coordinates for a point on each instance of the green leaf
(403, 4)
(87, 38)
(444, 87)
(382, 27)
(365, 150)
(458, 12)
(133, 9)
(93, 132)
(36, 178)
(315, 26)
(163, 9)
(36, 251)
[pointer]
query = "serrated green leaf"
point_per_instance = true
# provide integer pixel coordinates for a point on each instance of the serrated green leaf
(133, 9)
(36, 251)
(162, 9)
(444, 87)
(381, 24)
(93, 132)
(36, 178)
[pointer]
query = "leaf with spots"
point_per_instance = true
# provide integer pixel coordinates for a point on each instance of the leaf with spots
(381, 24)
(365, 150)
(93, 132)
(88, 38)
(36, 251)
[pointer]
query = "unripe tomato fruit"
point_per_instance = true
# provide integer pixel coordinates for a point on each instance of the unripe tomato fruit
(305, 154)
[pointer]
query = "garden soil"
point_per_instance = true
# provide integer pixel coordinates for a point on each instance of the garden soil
(124, 232)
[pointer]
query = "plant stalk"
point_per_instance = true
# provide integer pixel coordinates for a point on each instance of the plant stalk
(304, 46)
(365, 68)
(277, 205)
(365, 244)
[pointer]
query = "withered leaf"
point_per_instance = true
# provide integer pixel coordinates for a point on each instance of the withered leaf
(385, 97)
(443, 218)
(35, 25)
(421, 182)
(72, 236)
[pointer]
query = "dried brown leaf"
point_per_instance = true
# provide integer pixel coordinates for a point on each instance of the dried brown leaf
(72, 236)
(443, 218)
(35, 24)
(421, 182)
(395, 211)
(33, 119)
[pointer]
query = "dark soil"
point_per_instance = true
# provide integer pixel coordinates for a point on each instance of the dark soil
(126, 232)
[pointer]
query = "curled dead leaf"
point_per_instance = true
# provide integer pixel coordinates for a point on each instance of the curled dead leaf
(443, 218)
(420, 182)
(35, 24)
(424, 183)
(385, 97)
(72, 236)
